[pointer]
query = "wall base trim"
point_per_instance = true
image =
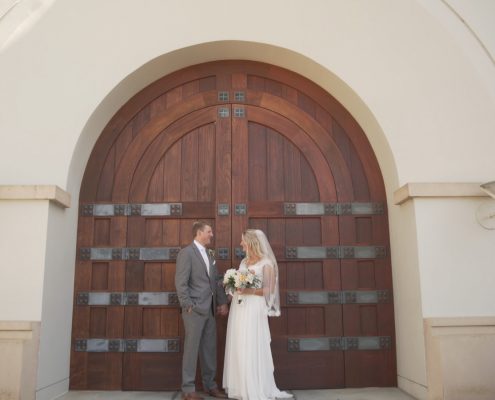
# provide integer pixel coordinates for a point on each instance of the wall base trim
(412, 388)
(459, 358)
(19, 348)
(53, 391)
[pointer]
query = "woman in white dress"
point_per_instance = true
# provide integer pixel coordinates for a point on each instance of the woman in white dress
(248, 367)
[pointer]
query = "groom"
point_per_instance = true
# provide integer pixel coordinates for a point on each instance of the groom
(199, 295)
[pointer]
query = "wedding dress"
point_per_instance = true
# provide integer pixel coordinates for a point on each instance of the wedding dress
(248, 368)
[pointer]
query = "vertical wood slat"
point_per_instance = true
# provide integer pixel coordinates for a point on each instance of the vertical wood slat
(157, 184)
(275, 167)
(172, 181)
(257, 164)
(206, 163)
(189, 167)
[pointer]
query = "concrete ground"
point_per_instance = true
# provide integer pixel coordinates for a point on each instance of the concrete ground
(330, 394)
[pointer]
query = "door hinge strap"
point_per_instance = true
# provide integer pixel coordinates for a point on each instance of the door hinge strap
(340, 343)
(127, 345)
(333, 209)
(340, 297)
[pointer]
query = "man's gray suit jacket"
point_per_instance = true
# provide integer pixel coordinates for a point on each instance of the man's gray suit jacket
(195, 287)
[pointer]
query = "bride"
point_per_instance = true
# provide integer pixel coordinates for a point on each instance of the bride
(248, 368)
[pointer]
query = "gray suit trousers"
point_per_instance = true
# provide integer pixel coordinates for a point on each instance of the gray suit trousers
(200, 338)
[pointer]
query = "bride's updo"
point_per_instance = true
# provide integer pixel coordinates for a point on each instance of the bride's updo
(253, 244)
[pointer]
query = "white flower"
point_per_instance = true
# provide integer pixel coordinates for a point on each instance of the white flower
(230, 273)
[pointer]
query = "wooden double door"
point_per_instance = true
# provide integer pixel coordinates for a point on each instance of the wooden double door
(239, 144)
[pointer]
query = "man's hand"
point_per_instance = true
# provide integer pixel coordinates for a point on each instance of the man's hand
(223, 310)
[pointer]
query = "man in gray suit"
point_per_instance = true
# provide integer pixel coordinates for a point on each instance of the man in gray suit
(200, 297)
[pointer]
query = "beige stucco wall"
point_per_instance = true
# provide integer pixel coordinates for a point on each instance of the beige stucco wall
(418, 79)
(23, 230)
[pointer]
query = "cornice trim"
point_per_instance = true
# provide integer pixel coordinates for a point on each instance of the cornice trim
(36, 192)
(430, 190)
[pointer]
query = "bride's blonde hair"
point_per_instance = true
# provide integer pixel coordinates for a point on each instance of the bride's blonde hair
(253, 244)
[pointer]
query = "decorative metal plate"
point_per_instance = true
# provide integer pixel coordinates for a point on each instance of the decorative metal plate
(223, 96)
(333, 208)
(240, 209)
(134, 253)
(239, 112)
(340, 343)
(128, 345)
(149, 209)
(223, 112)
(223, 209)
(240, 96)
(339, 297)
(306, 252)
(239, 253)
(223, 253)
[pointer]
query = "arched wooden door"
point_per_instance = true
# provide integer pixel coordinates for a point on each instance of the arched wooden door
(239, 144)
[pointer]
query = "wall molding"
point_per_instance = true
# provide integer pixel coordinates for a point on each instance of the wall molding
(431, 190)
(19, 350)
(36, 192)
(459, 357)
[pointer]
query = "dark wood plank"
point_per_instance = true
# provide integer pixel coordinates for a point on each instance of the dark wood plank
(257, 163)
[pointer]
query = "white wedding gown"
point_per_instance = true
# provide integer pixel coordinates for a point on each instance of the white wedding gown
(248, 368)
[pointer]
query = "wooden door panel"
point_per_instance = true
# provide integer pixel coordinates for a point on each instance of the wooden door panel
(322, 369)
(280, 167)
(148, 371)
(237, 144)
(191, 167)
(369, 368)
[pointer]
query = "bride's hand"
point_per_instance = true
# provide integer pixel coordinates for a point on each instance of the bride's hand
(245, 290)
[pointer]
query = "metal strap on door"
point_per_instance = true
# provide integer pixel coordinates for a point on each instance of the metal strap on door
(340, 343)
(339, 297)
(95, 345)
(315, 209)
(110, 210)
(333, 252)
(128, 253)
(127, 299)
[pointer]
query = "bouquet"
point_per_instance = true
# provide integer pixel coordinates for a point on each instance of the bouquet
(235, 279)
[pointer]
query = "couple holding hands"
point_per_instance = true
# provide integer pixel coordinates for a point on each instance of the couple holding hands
(248, 367)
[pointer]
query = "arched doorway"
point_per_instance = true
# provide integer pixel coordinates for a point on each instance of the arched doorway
(241, 144)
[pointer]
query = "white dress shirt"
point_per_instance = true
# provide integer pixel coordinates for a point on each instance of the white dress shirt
(202, 251)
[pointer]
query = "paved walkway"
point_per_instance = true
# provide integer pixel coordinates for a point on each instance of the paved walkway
(333, 394)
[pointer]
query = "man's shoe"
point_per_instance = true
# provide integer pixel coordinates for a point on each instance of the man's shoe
(217, 393)
(191, 396)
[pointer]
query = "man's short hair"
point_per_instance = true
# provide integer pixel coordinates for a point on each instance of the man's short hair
(199, 226)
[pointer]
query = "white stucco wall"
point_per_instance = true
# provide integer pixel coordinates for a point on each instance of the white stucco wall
(58, 288)
(411, 72)
(23, 228)
(454, 277)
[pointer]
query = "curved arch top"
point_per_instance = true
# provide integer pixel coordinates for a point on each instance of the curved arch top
(266, 86)
(171, 62)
